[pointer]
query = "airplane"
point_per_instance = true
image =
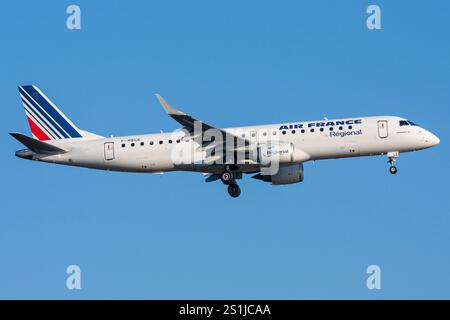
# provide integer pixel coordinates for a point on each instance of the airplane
(273, 153)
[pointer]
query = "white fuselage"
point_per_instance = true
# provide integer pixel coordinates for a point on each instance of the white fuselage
(323, 139)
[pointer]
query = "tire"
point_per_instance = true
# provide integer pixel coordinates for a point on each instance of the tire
(226, 177)
(393, 169)
(234, 190)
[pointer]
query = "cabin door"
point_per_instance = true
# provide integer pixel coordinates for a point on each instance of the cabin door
(383, 129)
(109, 151)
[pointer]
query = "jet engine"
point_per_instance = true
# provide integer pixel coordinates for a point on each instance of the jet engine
(280, 153)
(285, 175)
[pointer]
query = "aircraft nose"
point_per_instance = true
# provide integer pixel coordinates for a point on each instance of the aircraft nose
(436, 140)
(433, 139)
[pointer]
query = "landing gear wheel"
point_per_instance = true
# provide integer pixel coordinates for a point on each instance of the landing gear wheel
(234, 190)
(226, 177)
(392, 157)
(393, 169)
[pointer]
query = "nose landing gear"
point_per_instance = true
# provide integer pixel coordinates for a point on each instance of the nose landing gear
(393, 169)
(392, 156)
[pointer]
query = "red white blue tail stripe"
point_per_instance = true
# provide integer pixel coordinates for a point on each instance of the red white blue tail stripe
(46, 121)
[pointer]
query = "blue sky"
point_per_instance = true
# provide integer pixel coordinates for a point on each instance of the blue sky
(228, 63)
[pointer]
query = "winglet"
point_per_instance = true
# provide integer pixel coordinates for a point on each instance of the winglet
(171, 111)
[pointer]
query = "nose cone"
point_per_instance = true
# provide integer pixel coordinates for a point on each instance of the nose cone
(432, 139)
(435, 140)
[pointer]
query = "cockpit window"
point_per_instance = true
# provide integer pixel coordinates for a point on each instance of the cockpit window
(404, 123)
(412, 123)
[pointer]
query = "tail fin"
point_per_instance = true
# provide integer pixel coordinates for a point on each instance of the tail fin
(46, 121)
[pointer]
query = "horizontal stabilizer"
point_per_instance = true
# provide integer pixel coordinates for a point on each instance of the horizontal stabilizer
(36, 145)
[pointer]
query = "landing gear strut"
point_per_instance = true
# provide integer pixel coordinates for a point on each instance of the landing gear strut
(392, 156)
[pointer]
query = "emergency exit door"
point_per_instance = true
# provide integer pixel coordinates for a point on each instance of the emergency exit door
(383, 129)
(109, 151)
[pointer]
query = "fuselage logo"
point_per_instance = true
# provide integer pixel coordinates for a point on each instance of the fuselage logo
(320, 124)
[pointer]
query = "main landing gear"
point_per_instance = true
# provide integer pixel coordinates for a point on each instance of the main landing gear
(234, 190)
(392, 156)
(228, 179)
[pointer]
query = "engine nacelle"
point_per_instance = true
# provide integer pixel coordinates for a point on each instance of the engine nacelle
(281, 153)
(285, 175)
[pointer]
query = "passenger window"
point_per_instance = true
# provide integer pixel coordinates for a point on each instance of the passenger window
(350, 127)
(142, 143)
(340, 128)
(170, 141)
(132, 144)
(321, 129)
(312, 130)
(303, 131)
(160, 142)
(283, 132)
(331, 128)
(293, 131)
(178, 141)
(151, 143)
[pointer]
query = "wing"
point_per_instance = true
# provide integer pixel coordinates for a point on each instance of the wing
(220, 146)
(192, 125)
